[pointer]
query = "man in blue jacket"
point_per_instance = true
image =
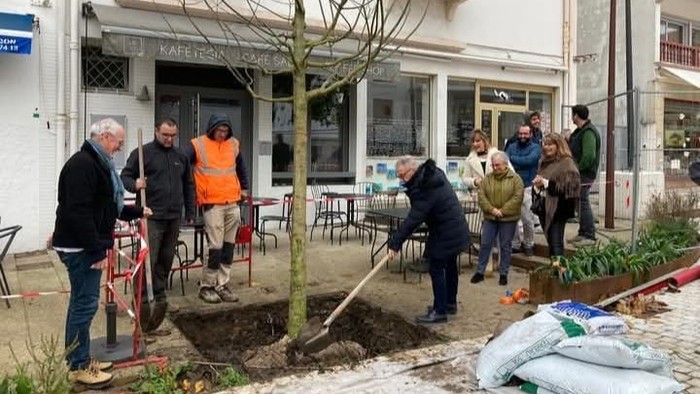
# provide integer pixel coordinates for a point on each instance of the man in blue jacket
(434, 203)
(524, 155)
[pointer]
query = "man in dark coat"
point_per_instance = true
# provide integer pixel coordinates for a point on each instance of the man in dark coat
(169, 187)
(434, 203)
(90, 199)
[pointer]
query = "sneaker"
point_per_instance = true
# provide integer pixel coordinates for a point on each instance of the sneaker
(585, 242)
(451, 309)
(102, 365)
(431, 318)
(209, 295)
(575, 239)
(529, 252)
(477, 278)
(227, 295)
(91, 377)
(503, 280)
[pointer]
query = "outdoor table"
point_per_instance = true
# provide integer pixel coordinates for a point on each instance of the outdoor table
(350, 199)
(257, 203)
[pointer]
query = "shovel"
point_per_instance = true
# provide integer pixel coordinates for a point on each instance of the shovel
(152, 313)
(314, 336)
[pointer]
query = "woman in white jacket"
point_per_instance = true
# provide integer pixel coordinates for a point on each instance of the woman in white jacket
(478, 163)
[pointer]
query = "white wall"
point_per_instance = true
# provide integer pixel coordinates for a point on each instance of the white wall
(27, 144)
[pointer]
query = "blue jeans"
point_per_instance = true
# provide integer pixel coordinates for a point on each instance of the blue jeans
(504, 231)
(445, 278)
(83, 303)
(586, 221)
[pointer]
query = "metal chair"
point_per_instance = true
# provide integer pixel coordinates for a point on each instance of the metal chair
(9, 233)
(324, 209)
(285, 218)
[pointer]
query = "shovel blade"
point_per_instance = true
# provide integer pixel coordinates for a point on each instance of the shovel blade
(313, 336)
(152, 315)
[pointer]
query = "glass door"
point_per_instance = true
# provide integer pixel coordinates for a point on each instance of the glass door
(501, 122)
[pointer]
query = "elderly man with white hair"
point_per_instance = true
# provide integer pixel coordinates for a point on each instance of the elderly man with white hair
(90, 199)
(500, 198)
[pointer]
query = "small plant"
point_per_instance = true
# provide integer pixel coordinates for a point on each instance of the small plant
(48, 373)
(231, 377)
(160, 380)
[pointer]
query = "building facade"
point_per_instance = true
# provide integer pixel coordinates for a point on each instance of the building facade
(666, 70)
(469, 65)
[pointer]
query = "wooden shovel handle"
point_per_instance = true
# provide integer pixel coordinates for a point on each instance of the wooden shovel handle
(142, 194)
(354, 292)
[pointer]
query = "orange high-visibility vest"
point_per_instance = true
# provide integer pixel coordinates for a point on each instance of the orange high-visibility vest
(215, 171)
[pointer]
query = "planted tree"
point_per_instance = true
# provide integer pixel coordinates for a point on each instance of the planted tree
(349, 39)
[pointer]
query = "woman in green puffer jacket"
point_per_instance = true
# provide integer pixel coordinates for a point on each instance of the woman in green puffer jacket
(500, 198)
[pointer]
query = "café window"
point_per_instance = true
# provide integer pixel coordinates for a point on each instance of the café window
(328, 132)
(542, 103)
(497, 95)
(460, 117)
(398, 117)
(681, 135)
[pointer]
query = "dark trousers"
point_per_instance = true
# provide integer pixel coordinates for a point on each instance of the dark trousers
(586, 221)
(82, 305)
(555, 236)
(443, 273)
(505, 232)
(162, 241)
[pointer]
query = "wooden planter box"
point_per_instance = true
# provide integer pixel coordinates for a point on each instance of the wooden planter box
(545, 289)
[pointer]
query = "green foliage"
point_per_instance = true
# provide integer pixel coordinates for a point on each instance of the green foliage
(231, 377)
(48, 373)
(670, 230)
(160, 380)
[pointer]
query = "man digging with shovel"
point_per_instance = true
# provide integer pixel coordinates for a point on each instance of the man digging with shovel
(168, 185)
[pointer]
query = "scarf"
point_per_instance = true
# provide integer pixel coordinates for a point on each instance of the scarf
(566, 182)
(117, 185)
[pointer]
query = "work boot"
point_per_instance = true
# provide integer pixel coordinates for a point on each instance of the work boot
(529, 252)
(227, 295)
(575, 239)
(503, 280)
(209, 295)
(477, 278)
(102, 365)
(91, 377)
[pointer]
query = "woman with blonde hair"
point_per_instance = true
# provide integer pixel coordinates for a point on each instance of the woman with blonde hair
(555, 190)
(478, 163)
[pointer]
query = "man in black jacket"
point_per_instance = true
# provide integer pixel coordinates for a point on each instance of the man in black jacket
(434, 203)
(90, 198)
(168, 184)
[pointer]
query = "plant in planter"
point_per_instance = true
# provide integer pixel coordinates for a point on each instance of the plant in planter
(664, 238)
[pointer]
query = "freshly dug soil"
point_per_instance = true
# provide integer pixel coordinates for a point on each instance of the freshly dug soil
(253, 337)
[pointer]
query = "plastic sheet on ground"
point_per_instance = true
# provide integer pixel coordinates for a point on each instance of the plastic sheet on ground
(445, 368)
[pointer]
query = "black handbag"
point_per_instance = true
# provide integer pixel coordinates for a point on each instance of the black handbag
(537, 206)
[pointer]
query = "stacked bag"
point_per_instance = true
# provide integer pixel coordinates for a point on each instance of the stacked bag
(574, 348)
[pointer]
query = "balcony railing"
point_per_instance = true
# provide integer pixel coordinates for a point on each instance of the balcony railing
(683, 55)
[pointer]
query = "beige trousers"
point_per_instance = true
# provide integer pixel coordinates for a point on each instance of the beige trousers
(221, 223)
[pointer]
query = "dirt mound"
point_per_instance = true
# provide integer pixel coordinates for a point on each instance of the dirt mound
(282, 354)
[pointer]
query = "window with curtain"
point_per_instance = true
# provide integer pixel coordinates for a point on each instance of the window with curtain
(398, 117)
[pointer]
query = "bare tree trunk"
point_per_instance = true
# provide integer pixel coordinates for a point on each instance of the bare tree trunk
(297, 283)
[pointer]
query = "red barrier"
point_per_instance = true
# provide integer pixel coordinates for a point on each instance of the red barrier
(685, 277)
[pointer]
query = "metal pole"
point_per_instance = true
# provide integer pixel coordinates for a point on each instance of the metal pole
(635, 173)
(631, 135)
(610, 145)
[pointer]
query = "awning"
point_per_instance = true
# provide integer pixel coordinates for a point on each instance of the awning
(16, 32)
(168, 37)
(689, 77)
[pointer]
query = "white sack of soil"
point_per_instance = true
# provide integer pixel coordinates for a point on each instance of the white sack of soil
(521, 342)
(565, 375)
(614, 352)
(597, 321)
